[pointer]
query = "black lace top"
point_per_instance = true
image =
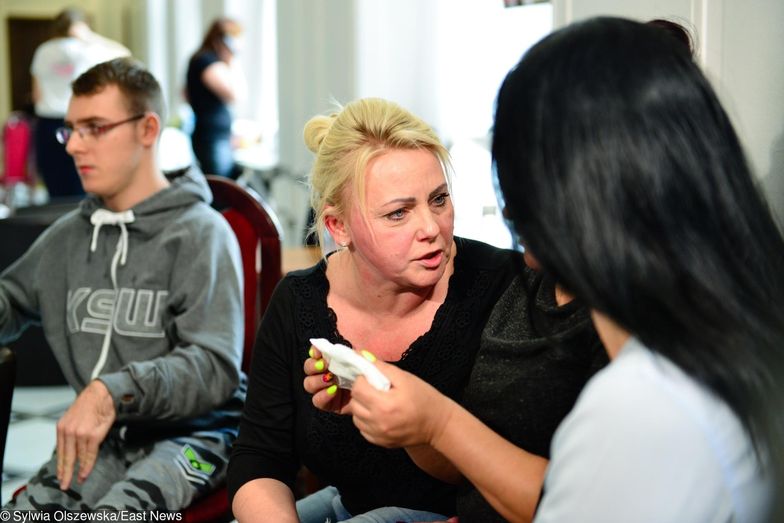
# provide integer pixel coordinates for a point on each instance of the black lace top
(281, 429)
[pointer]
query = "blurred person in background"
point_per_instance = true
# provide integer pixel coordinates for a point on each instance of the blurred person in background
(214, 81)
(72, 50)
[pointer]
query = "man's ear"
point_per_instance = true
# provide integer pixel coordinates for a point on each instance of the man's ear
(336, 226)
(151, 128)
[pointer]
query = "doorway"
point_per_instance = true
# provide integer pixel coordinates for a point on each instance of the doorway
(24, 37)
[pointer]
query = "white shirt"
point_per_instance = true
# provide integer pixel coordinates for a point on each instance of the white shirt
(646, 443)
(59, 61)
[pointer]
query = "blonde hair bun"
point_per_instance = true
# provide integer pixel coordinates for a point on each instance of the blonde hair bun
(316, 130)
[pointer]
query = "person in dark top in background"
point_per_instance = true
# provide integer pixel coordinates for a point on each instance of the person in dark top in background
(399, 285)
(215, 80)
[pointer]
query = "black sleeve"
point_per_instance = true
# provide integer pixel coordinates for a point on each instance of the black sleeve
(265, 447)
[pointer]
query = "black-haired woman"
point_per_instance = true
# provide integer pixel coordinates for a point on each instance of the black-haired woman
(623, 173)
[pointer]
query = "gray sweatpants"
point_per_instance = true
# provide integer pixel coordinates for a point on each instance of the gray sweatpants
(165, 475)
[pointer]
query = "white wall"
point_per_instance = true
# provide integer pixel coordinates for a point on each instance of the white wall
(316, 60)
(441, 59)
(316, 65)
(740, 46)
(397, 54)
(752, 85)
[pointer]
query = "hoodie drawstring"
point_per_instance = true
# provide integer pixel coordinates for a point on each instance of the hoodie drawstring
(99, 218)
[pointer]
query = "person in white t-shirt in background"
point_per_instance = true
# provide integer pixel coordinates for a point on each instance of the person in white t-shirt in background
(57, 62)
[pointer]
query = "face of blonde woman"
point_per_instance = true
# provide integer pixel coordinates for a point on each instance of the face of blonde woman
(405, 233)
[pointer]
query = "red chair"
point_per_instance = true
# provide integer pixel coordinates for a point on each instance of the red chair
(258, 233)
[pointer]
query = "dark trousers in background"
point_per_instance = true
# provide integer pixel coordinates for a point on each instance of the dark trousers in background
(214, 153)
(55, 166)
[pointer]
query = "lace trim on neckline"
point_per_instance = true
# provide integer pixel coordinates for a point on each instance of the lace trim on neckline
(455, 287)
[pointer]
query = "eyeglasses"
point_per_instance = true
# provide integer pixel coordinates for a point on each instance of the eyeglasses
(92, 130)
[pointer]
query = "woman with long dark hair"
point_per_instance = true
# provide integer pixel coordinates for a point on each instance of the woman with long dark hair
(624, 176)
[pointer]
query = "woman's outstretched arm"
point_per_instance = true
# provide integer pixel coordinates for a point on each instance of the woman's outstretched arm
(413, 413)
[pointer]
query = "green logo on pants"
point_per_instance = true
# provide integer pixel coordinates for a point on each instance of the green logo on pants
(196, 462)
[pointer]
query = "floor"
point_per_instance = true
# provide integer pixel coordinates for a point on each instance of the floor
(31, 434)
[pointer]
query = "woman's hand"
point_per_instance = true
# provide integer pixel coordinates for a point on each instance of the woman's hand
(411, 412)
(323, 385)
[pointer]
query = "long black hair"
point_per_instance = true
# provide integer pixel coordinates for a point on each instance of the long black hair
(624, 176)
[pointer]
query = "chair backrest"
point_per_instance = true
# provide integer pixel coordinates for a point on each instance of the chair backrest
(259, 235)
(258, 232)
(7, 379)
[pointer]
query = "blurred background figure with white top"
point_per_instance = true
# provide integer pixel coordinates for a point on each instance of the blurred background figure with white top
(72, 50)
(214, 81)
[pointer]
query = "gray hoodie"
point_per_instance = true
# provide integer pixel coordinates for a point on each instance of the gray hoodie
(149, 301)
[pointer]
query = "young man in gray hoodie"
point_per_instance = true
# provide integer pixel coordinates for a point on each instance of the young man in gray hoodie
(139, 292)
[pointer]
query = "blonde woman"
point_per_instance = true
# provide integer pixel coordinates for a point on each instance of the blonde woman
(400, 286)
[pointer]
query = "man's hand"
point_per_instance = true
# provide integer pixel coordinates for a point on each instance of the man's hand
(81, 431)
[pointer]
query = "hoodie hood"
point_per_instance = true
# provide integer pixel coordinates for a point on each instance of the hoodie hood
(150, 215)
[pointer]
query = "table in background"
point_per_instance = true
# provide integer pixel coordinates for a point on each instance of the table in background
(294, 258)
